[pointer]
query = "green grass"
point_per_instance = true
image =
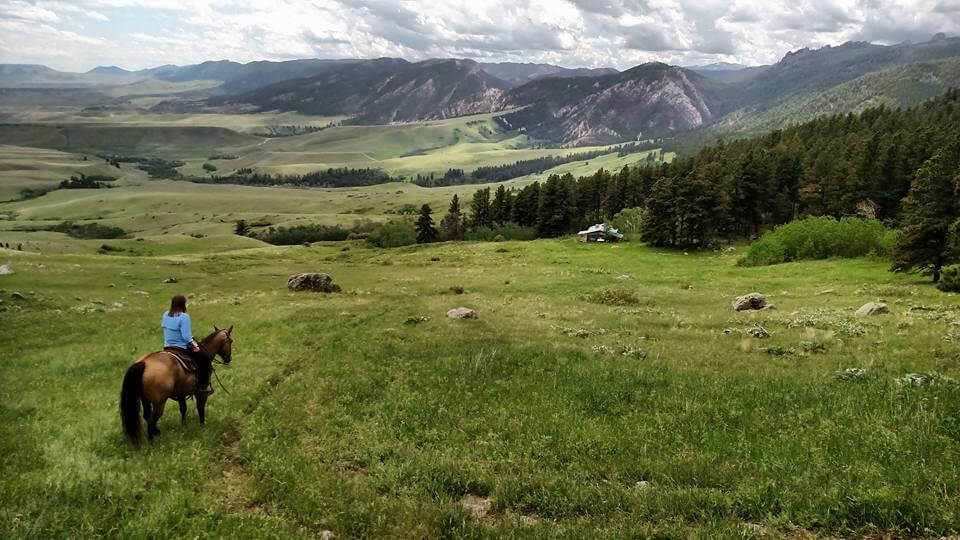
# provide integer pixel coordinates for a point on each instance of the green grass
(403, 150)
(343, 417)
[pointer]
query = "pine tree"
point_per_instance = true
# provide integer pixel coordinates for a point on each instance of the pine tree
(502, 207)
(525, 205)
(928, 213)
(554, 212)
(426, 232)
(241, 228)
(451, 226)
(480, 208)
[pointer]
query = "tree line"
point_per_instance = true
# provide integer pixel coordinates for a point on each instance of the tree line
(839, 165)
(501, 173)
(330, 178)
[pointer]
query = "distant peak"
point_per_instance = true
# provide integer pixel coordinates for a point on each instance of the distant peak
(109, 70)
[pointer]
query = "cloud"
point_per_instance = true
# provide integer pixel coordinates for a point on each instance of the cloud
(592, 33)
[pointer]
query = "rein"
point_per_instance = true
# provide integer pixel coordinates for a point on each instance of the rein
(214, 360)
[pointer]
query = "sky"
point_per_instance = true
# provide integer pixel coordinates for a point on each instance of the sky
(77, 35)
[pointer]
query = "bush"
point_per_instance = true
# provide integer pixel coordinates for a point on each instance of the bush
(393, 234)
(507, 231)
(820, 238)
(949, 279)
(300, 234)
(209, 167)
(89, 231)
(614, 297)
(629, 221)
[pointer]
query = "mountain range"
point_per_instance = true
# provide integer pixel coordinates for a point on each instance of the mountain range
(556, 104)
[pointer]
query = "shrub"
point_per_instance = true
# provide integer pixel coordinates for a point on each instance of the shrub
(614, 297)
(300, 234)
(949, 279)
(393, 234)
(89, 231)
(500, 233)
(819, 238)
(629, 220)
(209, 167)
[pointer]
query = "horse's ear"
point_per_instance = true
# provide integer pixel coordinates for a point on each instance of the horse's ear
(215, 329)
(229, 329)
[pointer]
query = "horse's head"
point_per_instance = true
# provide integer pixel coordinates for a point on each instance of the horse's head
(223, 343)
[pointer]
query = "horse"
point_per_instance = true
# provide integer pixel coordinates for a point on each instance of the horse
(157, 377)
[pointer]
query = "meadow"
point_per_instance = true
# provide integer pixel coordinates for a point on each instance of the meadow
(604, 391)
(580, 402)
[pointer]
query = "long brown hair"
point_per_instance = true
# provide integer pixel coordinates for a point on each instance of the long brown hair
(178, 304)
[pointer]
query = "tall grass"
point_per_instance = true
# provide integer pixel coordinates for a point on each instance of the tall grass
(819, 238)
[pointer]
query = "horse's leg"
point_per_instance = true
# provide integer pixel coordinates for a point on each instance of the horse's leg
(183, 410)
(201, 406)
(146, 408)
(152, 430)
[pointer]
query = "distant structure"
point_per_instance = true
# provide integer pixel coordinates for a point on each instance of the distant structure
(600, 233)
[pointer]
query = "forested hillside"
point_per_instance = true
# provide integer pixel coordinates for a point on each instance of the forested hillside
(840, 165)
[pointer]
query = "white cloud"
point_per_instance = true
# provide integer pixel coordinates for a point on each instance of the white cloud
(619, 33)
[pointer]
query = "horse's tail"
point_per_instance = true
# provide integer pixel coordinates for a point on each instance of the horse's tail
(130, 402)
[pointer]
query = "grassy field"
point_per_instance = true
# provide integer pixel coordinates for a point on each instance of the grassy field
(403, 150)
(579, 404)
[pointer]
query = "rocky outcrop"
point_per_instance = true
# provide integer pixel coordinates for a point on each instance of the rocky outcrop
(314, 282)
(650, 99)
(462, 313)
(872, 308)
(750, 301)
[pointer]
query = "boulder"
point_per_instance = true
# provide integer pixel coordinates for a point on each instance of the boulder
(753, 300)
(17, 296)
(462, 313)
(312, 281)
(873, 308)
(5, 270)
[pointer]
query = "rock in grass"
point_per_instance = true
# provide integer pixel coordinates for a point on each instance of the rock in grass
(312, 281)
(478, 506)
(16, 296)
(170, 279)
(746, 302)
(462, 313)
(873, 308)
(5, 270)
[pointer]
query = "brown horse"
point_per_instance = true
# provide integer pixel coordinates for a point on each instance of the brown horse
(157, 377)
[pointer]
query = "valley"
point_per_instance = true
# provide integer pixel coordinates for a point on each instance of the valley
(617, 389)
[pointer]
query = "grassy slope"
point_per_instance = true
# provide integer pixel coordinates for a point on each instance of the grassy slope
(165, 213)
(900, 86)
(341, 417)
(402, 150)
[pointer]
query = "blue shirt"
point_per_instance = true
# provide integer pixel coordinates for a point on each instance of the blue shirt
(176, 330)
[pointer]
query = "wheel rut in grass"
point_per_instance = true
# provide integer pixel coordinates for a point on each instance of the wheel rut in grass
(233, 487)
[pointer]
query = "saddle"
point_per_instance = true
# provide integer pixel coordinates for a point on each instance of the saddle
(182, 356)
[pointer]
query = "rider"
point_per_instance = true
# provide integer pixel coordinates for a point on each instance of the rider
(178, 338)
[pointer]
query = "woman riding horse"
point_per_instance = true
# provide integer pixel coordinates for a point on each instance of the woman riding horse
(159, 376)
(178, 339)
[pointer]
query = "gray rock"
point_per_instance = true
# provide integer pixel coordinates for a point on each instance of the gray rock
(17, 296)
(5, 270)
(462, 313)
(327, 535)
(769, 306)
(312, 281)
(624, 277)
(873, 308)
(478, 506)
(170, 279)
(746, 302)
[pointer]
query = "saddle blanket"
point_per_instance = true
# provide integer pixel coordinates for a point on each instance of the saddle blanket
(182, 356)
